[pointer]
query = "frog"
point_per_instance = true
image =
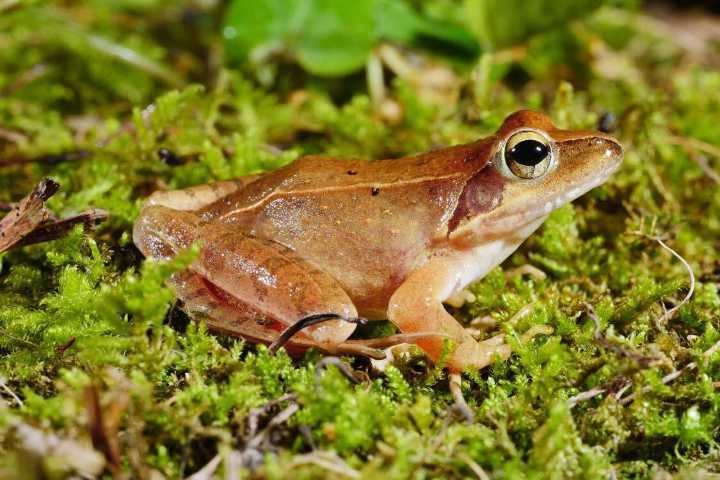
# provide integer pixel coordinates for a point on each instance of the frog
(391, 239)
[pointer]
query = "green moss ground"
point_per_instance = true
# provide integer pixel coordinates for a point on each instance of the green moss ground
(85, 314)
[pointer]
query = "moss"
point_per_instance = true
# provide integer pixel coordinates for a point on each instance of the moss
(87, 312)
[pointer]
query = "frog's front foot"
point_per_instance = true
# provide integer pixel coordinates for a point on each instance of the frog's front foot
(417, 308)
(481, 354)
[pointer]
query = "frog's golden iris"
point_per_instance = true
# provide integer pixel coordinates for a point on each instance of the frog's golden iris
(528, 154)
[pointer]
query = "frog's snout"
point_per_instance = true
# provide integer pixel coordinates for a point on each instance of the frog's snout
(593, 157)
(611, 150)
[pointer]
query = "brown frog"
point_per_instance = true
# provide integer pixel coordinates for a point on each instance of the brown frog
(384, 239)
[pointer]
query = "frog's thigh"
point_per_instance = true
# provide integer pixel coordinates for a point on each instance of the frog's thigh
(201, 300)
(195, 198)
(416, 306)
(270, 279)
(161, 232)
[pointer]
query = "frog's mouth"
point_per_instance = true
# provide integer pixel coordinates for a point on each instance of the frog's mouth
(516, 217)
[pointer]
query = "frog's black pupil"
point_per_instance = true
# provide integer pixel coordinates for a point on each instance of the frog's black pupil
(529, 152)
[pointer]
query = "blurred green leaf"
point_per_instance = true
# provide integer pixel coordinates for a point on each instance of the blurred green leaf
(326, 37)
(332, 37)
(337, 37)
(396, 20)
(500, 23)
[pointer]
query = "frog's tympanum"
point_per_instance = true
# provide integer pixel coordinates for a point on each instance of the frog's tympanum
(388, 239)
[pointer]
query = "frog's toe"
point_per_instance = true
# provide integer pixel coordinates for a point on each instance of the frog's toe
(477, 355)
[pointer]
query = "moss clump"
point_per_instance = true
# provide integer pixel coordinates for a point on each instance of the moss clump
(85, 314)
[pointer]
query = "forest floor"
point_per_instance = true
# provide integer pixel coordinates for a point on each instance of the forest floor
(102, 374)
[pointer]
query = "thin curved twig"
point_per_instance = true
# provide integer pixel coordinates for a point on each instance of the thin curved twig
(454, 382)
(344, 368)
(308, 321)
(675, 374)
(671, 313)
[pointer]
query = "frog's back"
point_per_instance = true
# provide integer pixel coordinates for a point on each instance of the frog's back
(365, 223)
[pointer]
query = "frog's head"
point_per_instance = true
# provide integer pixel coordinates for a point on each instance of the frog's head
(532, 168)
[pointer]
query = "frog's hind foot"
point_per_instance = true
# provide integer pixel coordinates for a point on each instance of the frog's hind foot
(372, 347)
(375, 347)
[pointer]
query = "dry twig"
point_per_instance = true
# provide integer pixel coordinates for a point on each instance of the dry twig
(455, 383)
(9, 391)
(104, 423)
(675, 374)
(29, 221)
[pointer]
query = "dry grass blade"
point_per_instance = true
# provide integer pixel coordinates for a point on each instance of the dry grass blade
(329, 461)
(208, 471)
(643, 360)
(343, 367)
(675, 374)
(455, 382)
(671, 313)
(103, 425)
(7, 390)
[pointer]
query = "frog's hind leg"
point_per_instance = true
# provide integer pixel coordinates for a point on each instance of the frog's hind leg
(205, 303)
(245, 277)
(167, 223)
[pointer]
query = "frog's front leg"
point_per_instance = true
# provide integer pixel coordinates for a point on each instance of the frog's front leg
(416, 306)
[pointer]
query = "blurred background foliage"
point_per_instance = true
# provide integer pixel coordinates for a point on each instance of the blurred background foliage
(116, 99)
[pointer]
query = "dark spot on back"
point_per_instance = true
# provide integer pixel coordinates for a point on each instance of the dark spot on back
(375, 191)
(352, 172)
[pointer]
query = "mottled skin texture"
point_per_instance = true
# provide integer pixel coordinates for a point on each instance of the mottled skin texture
(384, 239)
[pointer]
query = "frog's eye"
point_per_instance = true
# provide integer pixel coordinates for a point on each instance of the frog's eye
(528, 154)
